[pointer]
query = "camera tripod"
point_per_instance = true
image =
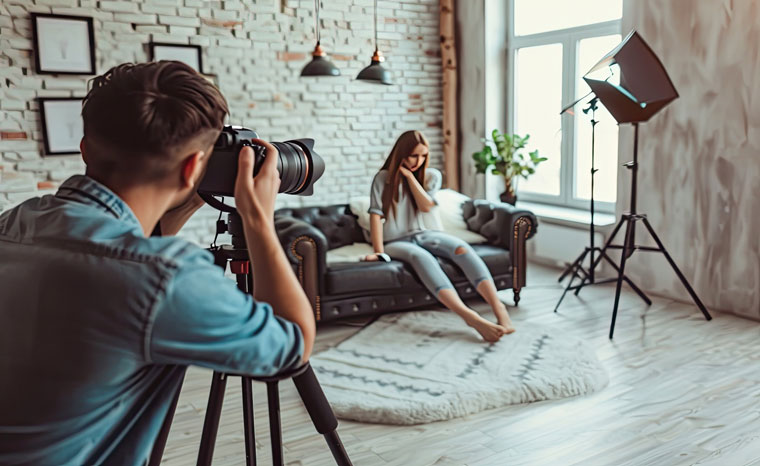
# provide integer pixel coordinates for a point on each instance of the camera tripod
(629, 243)
(303, 377)
(576, 268)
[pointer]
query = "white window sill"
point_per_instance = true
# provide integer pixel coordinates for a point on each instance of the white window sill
(567, 216)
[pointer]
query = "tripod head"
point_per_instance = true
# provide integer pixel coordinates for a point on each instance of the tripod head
(237, 252)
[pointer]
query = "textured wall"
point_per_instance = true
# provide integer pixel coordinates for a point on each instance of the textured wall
(700, 157)
(256, 48)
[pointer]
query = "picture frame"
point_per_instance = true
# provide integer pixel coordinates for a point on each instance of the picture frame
(186, 53)
(63, 44)
(62, 125)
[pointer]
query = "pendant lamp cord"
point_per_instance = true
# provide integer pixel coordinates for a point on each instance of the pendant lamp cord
(375, 25)
(316, 19)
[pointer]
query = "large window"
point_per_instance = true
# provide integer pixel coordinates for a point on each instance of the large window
(552, 44)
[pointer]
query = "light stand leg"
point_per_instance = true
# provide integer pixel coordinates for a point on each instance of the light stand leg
(633, 286)
(578, 264)
(672, 263)
(604, 250)
(571, 267)
(626, 247)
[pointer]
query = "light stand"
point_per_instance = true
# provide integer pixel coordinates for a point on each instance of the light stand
(644, 89)
(629, 242)
(576, 268)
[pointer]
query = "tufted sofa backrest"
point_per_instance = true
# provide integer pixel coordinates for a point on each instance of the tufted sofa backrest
(336, 222)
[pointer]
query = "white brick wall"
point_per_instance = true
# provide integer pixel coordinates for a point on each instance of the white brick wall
(257, 49)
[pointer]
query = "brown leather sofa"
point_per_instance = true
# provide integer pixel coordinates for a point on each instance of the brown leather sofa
(349, 289)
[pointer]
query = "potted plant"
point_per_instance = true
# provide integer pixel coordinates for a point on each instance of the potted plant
(509, 161)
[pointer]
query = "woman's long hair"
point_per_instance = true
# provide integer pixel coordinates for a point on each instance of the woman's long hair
(404, 146)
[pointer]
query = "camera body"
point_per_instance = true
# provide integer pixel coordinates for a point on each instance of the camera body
(299, 166)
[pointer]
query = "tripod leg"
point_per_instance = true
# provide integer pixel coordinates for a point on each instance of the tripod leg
(275, 431)
(677, 270)
(570, 267)
(633, 286)
(249, 429)
(160, 444)
(211, 422)
(621, 273)
(604, 250)
(576, 266)
(321, 414)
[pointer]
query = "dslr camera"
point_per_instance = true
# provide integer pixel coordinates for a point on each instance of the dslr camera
(299, 166)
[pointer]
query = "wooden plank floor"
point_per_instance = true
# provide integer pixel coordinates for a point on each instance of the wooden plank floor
(682, 391)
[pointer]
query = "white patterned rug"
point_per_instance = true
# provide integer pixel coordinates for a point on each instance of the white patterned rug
(427, 366)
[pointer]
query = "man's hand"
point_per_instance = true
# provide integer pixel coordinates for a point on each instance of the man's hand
(173, 220)
(255, 197)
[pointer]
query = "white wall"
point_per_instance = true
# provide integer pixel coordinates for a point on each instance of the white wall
(256, 48)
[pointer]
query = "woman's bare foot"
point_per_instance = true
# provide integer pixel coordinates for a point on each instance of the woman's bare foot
(488, 330)
(502, 316)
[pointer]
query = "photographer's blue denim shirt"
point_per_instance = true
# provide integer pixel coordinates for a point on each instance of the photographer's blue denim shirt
(97, 324)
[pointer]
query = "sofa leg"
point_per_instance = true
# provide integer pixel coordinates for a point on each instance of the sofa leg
(516, 294)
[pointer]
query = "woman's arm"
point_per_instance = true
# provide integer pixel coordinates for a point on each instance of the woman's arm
(423, 200)
(376, 234)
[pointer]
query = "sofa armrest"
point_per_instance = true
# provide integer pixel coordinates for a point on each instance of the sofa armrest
(501, 224)
(306, 249)
(505, 226)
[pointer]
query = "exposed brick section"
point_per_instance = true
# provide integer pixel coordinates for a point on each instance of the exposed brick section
(256, 50)
(220, 23)
(291, 56)
(46, 185)
(13, 135)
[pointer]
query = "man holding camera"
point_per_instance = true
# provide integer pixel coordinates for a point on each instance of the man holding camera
(98, 320)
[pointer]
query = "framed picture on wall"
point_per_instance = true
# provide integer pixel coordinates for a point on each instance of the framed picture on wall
(188, 54)
(63, 44)
(62, 127)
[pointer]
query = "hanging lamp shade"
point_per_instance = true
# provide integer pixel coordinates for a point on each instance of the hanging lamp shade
(375, 72)
(320, 65)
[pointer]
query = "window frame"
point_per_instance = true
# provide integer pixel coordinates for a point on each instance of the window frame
(569, 39)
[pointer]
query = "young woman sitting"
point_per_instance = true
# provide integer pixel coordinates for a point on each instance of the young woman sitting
(401, 192)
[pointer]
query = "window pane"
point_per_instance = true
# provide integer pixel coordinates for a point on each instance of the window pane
(538, 100)
(591, 51)
(534, 16)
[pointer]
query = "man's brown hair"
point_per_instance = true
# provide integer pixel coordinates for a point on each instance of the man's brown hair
(138, 118)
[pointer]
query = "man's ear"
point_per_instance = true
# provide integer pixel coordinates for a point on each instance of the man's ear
(192, 167)
(84, 153)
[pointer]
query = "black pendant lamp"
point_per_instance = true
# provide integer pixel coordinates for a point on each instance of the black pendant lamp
(375, 72)
(319, 64)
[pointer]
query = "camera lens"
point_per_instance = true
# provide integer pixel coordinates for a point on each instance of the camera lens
(298, 164)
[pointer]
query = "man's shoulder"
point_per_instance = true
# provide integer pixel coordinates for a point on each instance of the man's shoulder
(180, 252)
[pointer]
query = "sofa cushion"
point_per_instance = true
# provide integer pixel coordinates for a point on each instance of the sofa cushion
(365, 277)
(388, 277)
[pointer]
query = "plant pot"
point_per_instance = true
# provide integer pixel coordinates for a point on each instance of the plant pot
(509, 196)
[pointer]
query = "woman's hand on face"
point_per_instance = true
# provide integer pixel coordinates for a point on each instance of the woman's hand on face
(405, 171)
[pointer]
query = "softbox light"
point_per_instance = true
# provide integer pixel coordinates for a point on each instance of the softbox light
(636, 86)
